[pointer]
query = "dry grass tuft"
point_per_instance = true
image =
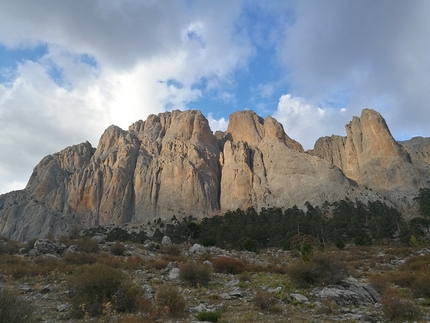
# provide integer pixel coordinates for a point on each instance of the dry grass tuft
(228, 265)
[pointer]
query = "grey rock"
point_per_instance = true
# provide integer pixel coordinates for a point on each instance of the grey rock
(226, 296)
(171, 265)
(25, 289)
(45, 246)
(166, 241)
(349, 293)
(274, 290)
(236, 293)
(100, 239)
(148, 291)
(46, 289)
(72, 249)
(199, 308)
(197, 249)
(302, 299)
(151, 246)
(232, 282)
(50, 255)
(174, 274)
(63, 307)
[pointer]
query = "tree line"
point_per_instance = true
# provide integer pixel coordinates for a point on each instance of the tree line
(337, 223)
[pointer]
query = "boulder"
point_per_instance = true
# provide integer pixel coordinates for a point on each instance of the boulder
(166, 241)
(197, 249)
(45, 246)
(349, 293)
(174, 274)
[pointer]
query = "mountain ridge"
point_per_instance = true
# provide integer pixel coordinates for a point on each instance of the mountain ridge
(173, 164)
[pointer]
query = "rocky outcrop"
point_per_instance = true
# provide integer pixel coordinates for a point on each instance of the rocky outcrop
(418, 148)
(370, 156)
(271, 170)
(173, 165)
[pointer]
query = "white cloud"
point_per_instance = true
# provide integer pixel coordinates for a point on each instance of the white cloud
(377, 50)
(306, 122)
(148, 57)
(220, 124)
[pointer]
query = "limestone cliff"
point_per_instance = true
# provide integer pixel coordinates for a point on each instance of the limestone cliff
(370, 156)
(263, 167)
(172, 164)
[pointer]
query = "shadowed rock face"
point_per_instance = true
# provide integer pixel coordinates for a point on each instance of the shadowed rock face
(172, 164)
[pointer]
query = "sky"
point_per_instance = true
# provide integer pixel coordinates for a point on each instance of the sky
(69, 69)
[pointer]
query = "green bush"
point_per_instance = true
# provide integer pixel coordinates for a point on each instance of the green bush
(14, 308)
(249, 245)
(209, 316)
(339, 243)
(208, 242)
(118, 234)
(196, 275)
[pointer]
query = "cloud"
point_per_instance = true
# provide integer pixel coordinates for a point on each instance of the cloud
(107, 63)
(220, 124)
(306, 122)
(377, 50)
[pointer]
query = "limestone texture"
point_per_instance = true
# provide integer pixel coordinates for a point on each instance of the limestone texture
(172, 164)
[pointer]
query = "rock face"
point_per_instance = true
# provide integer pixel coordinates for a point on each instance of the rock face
(370, 156)
(271, 170)
(172, 164)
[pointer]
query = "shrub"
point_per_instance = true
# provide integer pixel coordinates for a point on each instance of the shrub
(118, 234)
(134, 262)
(339, 243)
(417, 263)
(172, 250)
(85, 244)
(321, 269)
(264, 301)
(9, 247)
(13, 307)
(79, 258)
(249, 245)
(209, 316)
(167, 297)
(421, 286)
(158, 264)
(228, 265)
(395, 307)
(117, 249)
(93, 286)
(379, 283)
(195, 274)
(413, 242)
(208, 242)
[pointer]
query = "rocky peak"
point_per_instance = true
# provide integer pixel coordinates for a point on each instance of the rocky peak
(370, 156)
(247, 126)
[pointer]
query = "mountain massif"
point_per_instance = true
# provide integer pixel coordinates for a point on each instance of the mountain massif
(172, 164)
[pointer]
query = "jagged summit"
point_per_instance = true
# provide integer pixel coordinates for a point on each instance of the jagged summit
(173, 164)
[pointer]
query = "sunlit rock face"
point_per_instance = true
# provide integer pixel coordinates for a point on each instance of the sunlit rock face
(173, 165)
